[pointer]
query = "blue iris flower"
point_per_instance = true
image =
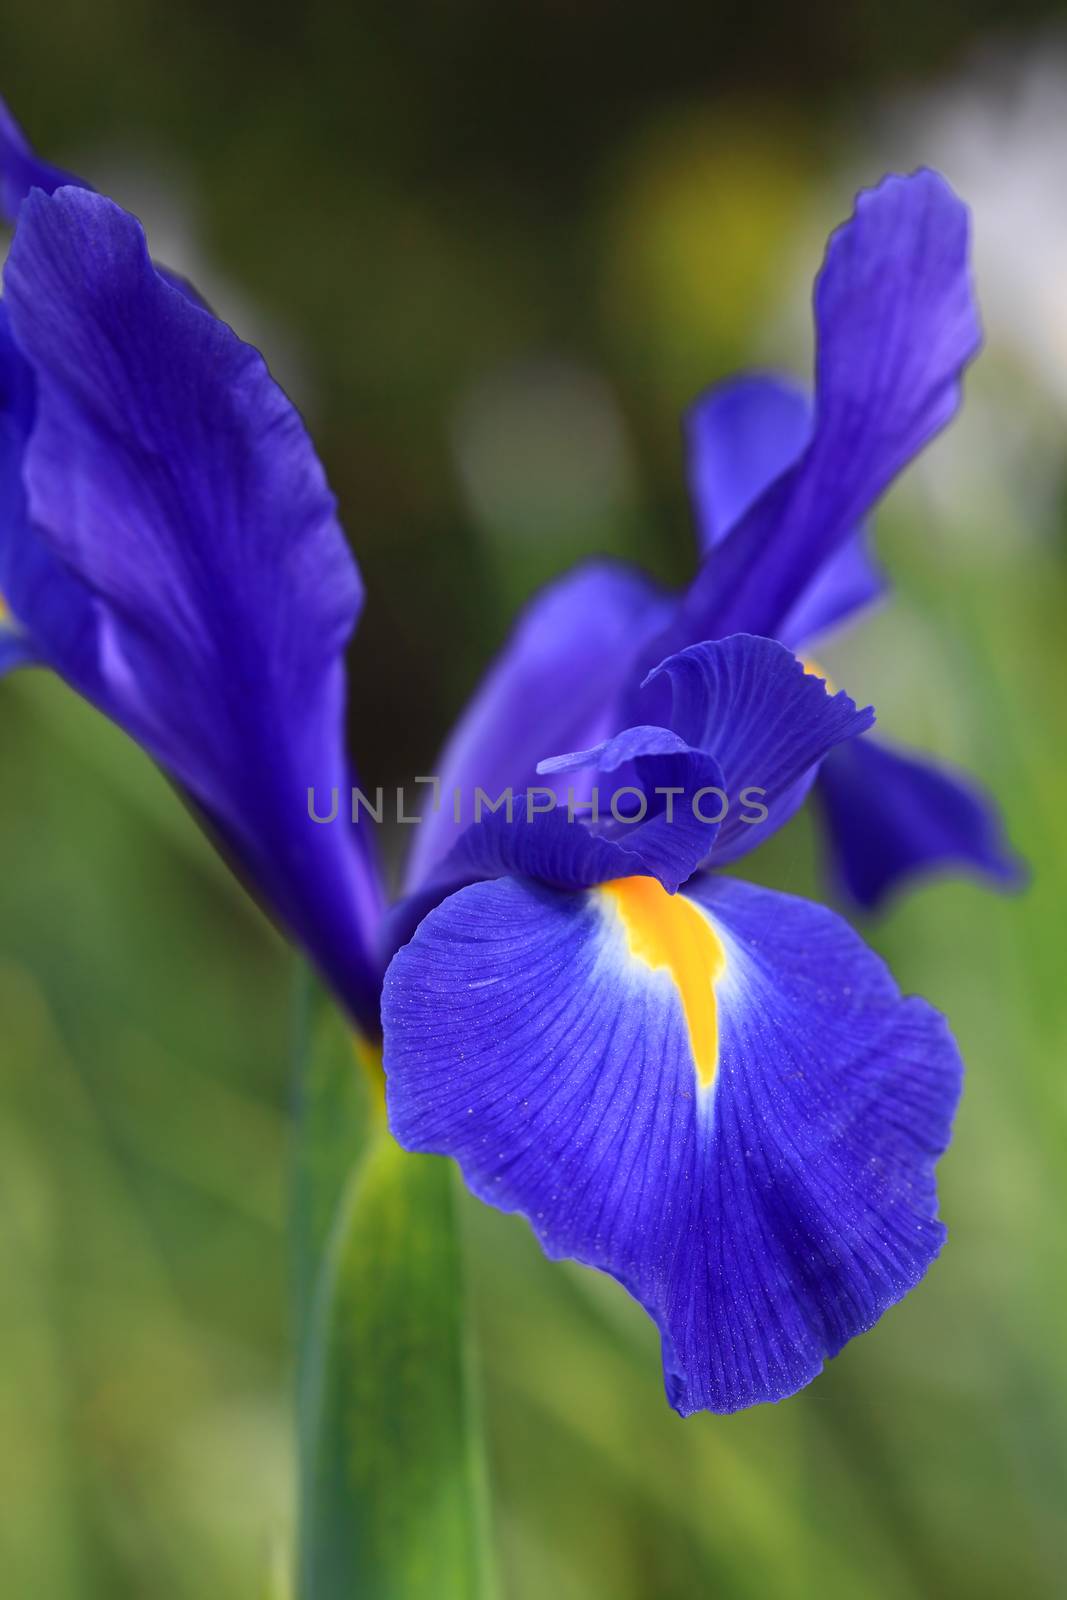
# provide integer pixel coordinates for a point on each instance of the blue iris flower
(714, 1093)
(711, 1091)
(780, 490)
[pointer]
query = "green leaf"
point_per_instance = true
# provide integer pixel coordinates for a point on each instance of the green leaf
(391, 1464)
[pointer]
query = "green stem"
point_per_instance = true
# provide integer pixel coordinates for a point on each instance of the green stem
(392, 1502)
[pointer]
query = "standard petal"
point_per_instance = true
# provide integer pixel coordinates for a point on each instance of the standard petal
(22, 170)
(890, 816)
(16, 412)
(768, 723)
(740, 437)
(895, 327)
(169, 475)
(51, 619)
(15, 649)
(46, 615)
(749, 729)
(554, 686)
(646, 820)
(751, 1155)
(848, 582)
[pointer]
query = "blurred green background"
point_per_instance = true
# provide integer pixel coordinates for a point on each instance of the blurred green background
(493, 252)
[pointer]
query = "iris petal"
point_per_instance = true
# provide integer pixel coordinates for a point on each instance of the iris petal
(169, 477)
(46, 614)
(890, 815)
(747, 723)
(895, 325)
(21, 169)
(740, 437)
(849, 581)
(762, 1221)
(646, 833)
(16, 649)
(554, 686)
(768, 723)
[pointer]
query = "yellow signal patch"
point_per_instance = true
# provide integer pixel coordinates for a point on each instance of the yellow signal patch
(668, 932)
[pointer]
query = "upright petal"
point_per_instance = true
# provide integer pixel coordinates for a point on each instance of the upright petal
(554, 686)
(895, 327)
(768, 723)
(740, 437)
(22, 170)
(750, 727)
(16, 421)
(16, 413)
(659, 814)
(648, 825)
(890, 816)
(848, 581)
(15, 648)
(719, 1098)
(46, 614)
(169, 475)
